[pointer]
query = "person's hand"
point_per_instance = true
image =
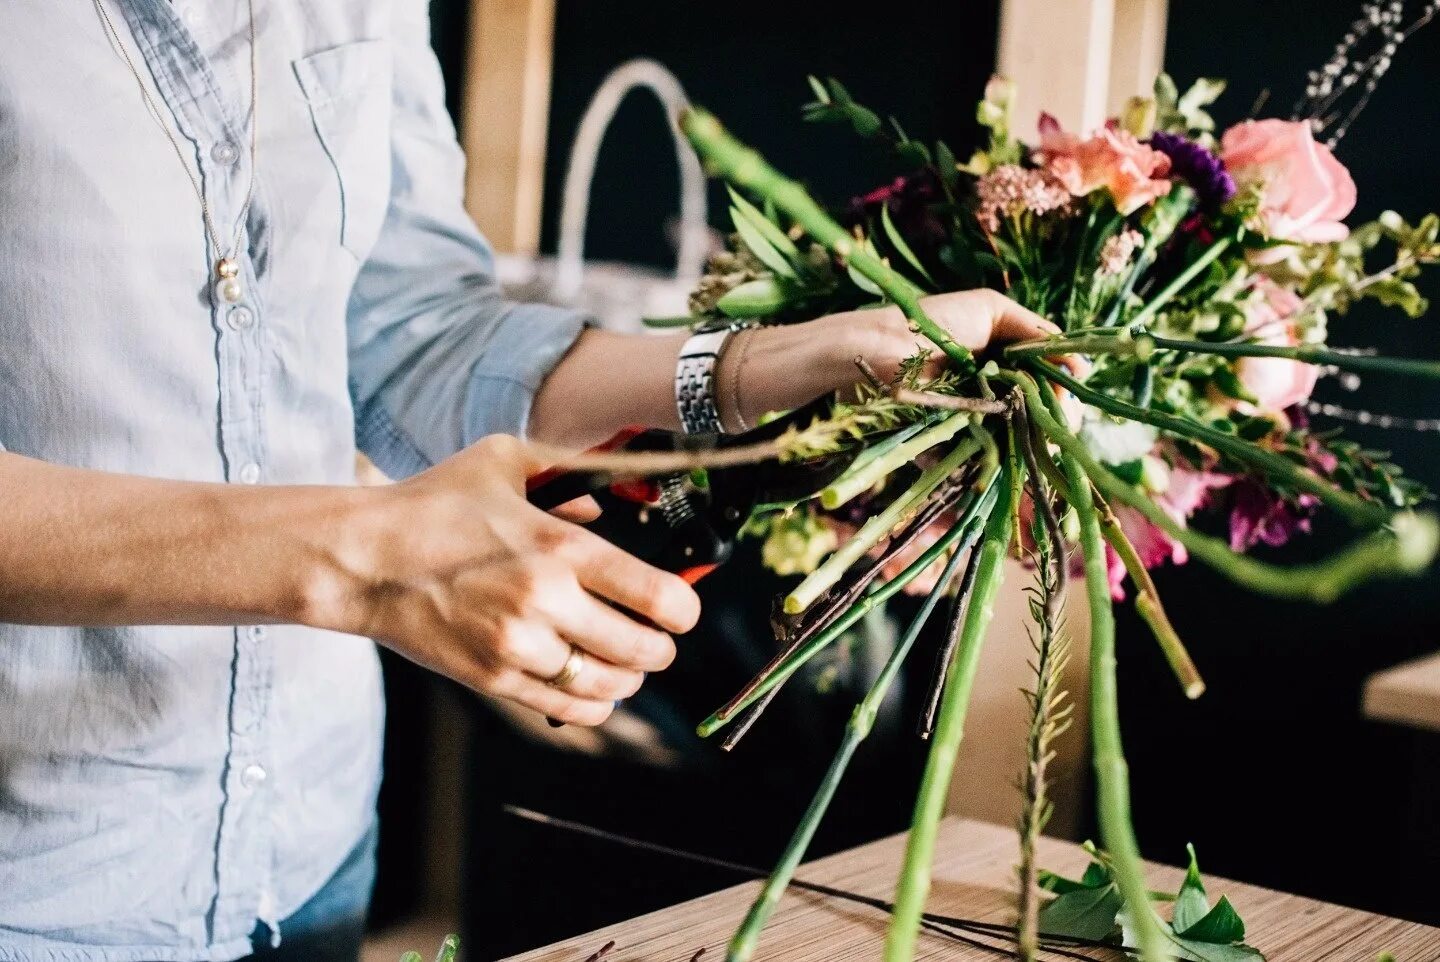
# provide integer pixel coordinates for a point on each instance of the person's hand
(785, 365)
(465, 577)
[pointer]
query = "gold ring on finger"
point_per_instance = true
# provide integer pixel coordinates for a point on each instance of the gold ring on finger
(570, 671)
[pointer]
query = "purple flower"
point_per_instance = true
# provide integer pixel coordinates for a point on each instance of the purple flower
(1260, 516)
(1198, 167)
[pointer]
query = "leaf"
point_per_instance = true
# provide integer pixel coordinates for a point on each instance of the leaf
(760, 246)
(1228, 382)
(947, 166)
(1192, 903)
(859, 279)
(757, 298)
(1083, 914)
(821, 94)
(1096, 876)
(684, 320)
(902, 248)
(448, 948)
(1193, 951)
(1222, 925)
(1393, 292)
(767, 223)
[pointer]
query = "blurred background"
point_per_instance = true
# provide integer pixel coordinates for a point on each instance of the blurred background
(1287, 773)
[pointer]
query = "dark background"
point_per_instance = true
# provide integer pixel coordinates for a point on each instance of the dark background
(1274, 775)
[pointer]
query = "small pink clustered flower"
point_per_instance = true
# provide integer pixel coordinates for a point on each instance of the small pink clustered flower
(1011, 190)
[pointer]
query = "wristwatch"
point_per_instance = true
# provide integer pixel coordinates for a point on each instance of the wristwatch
(695, 377)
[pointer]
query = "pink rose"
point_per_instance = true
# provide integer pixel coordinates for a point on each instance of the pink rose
(1112, 158)
(1305, 191)
(1276, 382)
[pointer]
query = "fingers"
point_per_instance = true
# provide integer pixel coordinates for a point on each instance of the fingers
(582, 510)
(532, 647)
(610, 635)
(561, 706)
(659, 597)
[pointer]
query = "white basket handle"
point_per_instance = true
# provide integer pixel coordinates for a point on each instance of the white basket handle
(575, 200)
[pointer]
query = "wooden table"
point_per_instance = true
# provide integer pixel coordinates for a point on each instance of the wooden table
(974, 879)
(1407, 694)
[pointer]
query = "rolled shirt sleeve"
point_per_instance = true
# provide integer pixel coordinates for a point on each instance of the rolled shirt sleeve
(438, 358)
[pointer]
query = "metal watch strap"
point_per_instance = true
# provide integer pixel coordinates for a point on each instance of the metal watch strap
(695, 379)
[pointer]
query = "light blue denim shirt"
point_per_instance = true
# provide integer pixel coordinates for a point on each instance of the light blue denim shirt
(162, 789)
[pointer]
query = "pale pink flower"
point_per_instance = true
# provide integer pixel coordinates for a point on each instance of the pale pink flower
(1112, 158)
(1116, 252)
(1275, 382)
(1011, 190)
(1305, 191)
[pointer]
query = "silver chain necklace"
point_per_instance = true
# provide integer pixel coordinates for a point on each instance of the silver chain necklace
(227, 272)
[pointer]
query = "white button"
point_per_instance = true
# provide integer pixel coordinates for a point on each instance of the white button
(256, 633)
(224, 153)
(240, 318)
(250, 473)
(253, 776)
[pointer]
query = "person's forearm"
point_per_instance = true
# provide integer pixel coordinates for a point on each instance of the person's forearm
(88, 548)
(608, 381)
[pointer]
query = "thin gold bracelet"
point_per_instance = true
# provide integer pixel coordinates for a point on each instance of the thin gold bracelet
(741, 348)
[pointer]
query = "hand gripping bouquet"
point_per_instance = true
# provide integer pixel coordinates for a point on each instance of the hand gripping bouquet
(1192, 272)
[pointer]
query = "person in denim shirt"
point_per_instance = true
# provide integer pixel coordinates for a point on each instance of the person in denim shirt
(190, 712)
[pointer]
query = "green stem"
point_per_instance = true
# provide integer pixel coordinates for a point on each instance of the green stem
(914, 882)
(1144, 345)
(877, 596)
(742, 945)
(878, 526)
(1406, 549)
(1359, 512)
(1150, 608)
(742, 166)
(868, 475)
(1112, 776)
(1178, 283)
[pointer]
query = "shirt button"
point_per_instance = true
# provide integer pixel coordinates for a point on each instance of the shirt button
(224, 153)
(256, 633)
(250, 473)
(253, 776)
(240, 318)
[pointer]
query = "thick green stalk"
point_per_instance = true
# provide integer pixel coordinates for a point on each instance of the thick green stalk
(914, 883)
(742, 166)
(1150, 608)
(877, 596)
(742, 945)
(878, 526)
(1356, 510)
(1146, 344)
(1112, 775)
(1406, 549)
(865, 477)
(1176, 285)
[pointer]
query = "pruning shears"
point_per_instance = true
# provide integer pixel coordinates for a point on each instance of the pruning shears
(687, 522)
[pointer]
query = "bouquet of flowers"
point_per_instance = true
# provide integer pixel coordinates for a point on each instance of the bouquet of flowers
(1192, 272)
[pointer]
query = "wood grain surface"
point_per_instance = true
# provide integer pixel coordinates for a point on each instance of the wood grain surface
(973, 879)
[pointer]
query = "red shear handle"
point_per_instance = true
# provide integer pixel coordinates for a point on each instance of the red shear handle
(555, 486)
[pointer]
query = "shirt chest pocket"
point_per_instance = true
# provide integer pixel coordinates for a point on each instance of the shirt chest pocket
(348, 92)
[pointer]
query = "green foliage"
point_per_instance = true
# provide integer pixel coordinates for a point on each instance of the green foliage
(1185, 113)
(1091, 908)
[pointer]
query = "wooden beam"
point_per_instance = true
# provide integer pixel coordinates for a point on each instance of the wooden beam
(1079, 59)
(505, 112)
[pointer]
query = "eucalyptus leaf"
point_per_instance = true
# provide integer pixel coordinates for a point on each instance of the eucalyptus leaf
(1228, 382)
(821, 94)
